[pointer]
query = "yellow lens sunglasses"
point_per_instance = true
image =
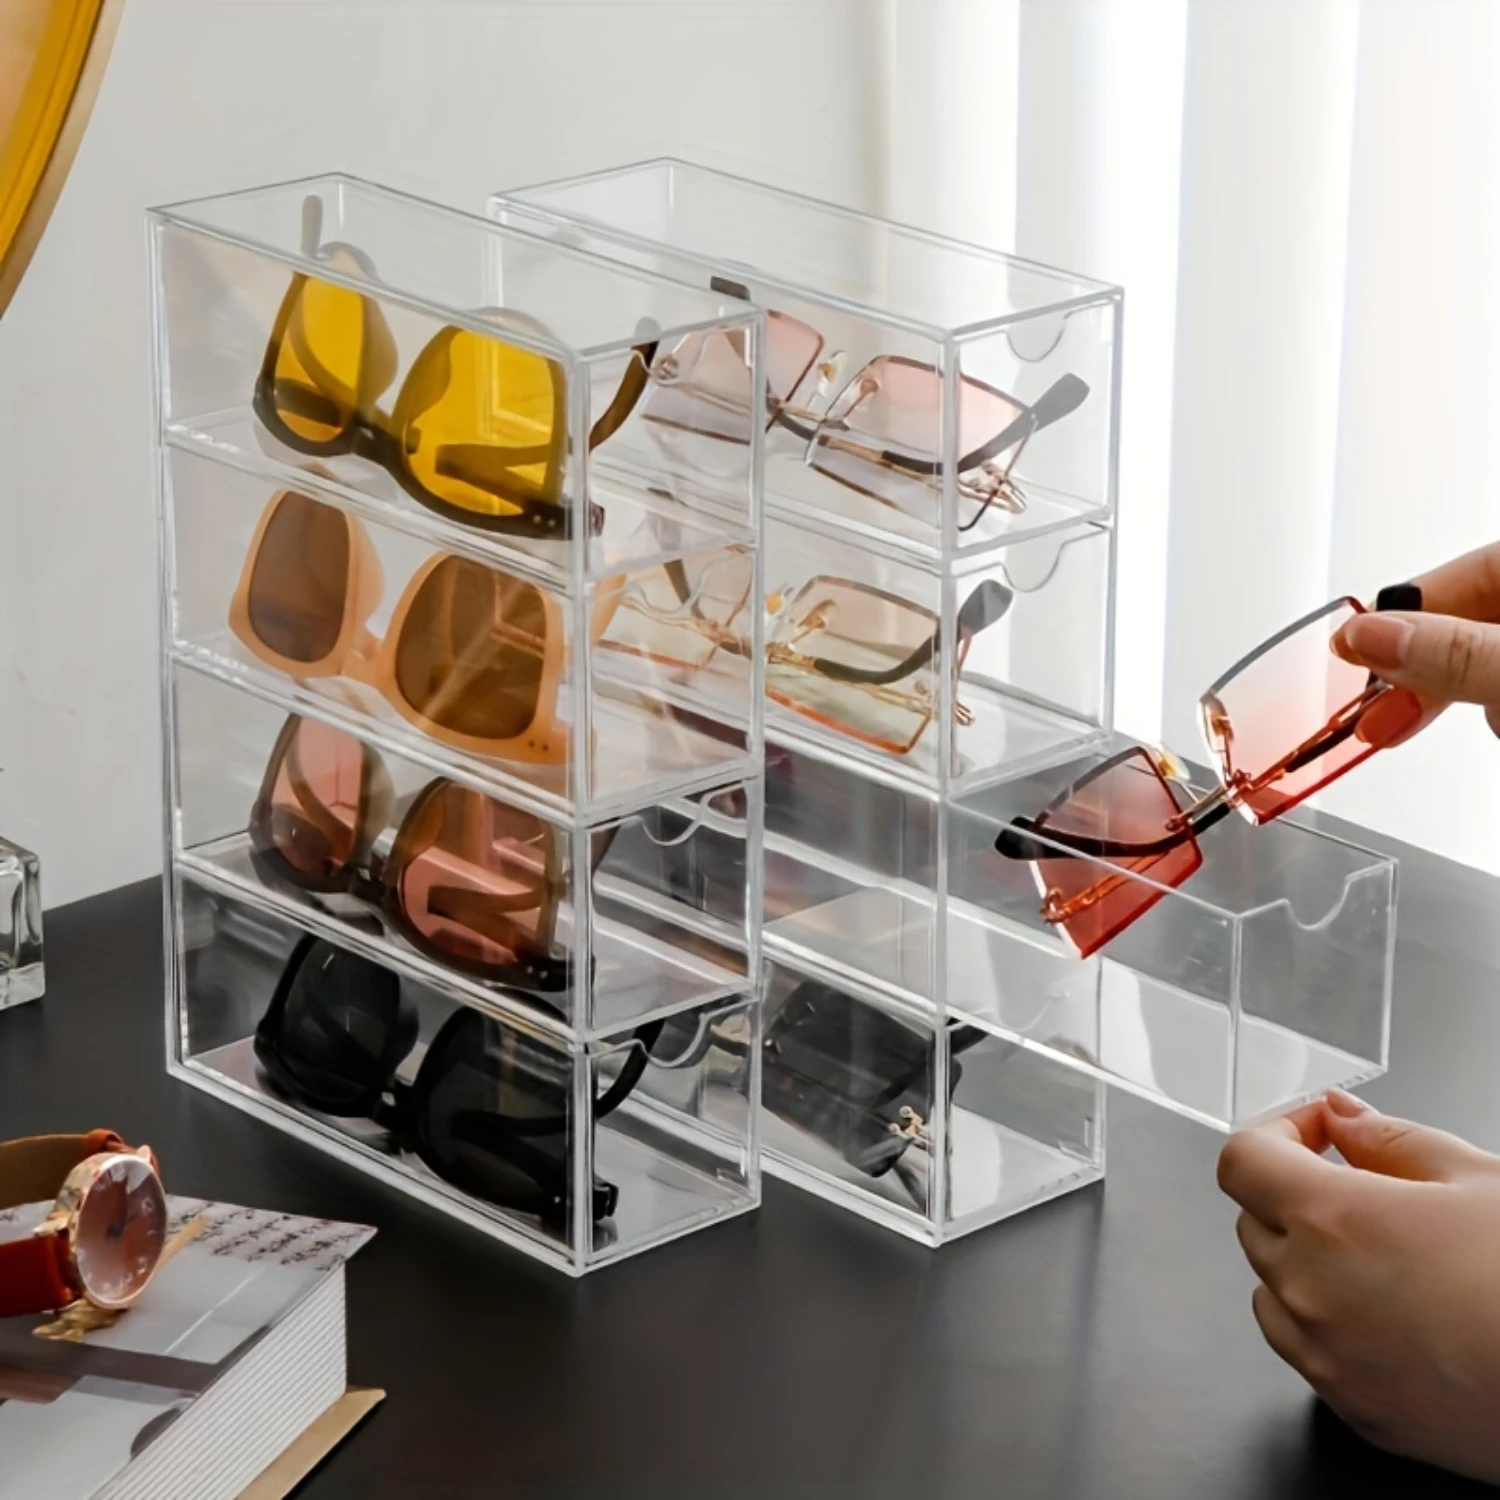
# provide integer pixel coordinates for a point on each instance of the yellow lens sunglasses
(478, 432)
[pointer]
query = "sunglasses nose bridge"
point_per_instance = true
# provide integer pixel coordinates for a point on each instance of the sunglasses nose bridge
(830, 369)
(367, 883)
(1169, 765)
(680, 362)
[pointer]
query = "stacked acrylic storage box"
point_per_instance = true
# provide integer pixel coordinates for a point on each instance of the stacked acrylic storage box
(464, 791)
(939, 472)
(941, 465)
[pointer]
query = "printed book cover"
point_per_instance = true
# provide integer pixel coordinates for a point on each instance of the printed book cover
(80, 1403)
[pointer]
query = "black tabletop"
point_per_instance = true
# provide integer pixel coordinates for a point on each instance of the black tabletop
(1098, 1348)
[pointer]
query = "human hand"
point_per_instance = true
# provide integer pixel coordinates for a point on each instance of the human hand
(1379, 1279)
(1447, 653)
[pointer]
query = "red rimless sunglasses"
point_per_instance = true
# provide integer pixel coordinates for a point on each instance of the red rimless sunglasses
(1282, 724)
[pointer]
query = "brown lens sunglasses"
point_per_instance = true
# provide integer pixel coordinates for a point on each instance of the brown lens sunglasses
(469, 881)
(474, 657)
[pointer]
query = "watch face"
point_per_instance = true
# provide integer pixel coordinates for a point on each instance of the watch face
(120, 1230)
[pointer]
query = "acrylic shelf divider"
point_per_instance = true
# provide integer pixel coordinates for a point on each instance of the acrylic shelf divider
(464, 774)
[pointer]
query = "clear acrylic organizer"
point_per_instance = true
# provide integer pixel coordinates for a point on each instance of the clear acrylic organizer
(662, 705)
(940, 453)
(883, 343)
(940, 462)
(932, 1129)
(602, 1148)
(463, 684)
(1259, 983)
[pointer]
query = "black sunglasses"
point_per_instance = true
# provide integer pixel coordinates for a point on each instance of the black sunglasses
(854, 1076)
(488, 1109)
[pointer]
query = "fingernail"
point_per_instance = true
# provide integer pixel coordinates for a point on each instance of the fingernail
(1345, 1104)
(1378, 640)
(1395, 713)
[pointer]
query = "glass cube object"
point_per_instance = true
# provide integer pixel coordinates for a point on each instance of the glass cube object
(578, 1153)
(931, 1129)
(22, 976)
(920, 391)
(463, 696)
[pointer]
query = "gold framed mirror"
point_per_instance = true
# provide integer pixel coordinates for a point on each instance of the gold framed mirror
(52, 57)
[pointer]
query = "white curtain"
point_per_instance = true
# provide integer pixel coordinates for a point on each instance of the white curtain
(1298, 195)
(1300, 199)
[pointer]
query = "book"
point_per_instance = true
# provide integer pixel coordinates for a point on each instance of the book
(232, 1354)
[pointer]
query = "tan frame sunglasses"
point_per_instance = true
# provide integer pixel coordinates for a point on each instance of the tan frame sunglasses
(474, 657)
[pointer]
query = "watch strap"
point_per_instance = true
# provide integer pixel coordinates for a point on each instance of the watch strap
(34, 1168)
(34, 1275)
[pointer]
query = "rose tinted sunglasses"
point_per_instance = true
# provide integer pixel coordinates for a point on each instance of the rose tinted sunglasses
(478, 432)
(850, 656)
(488, 1110)
(469, 881)
(473, 656)
(878, 434)
(1284, 723)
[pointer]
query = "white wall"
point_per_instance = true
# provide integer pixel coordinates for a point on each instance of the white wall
(1300, 196)
(448, 100)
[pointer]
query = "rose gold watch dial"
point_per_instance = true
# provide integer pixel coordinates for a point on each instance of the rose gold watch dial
(119, 1232)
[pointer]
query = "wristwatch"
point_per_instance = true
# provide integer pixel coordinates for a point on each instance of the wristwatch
(104, 1236)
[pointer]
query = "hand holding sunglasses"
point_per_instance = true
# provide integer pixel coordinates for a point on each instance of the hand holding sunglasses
(478, 432)
(1282, 724)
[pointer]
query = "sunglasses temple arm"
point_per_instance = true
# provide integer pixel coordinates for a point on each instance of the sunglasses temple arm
(1335, 734)
(1018, 841)
(632, 384)
(807, 431)
(474, 908)
(1063, 397)
(980, 610)
(292, 398)
(504, 1133)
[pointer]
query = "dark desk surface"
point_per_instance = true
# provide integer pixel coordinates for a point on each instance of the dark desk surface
(1099, 1347)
